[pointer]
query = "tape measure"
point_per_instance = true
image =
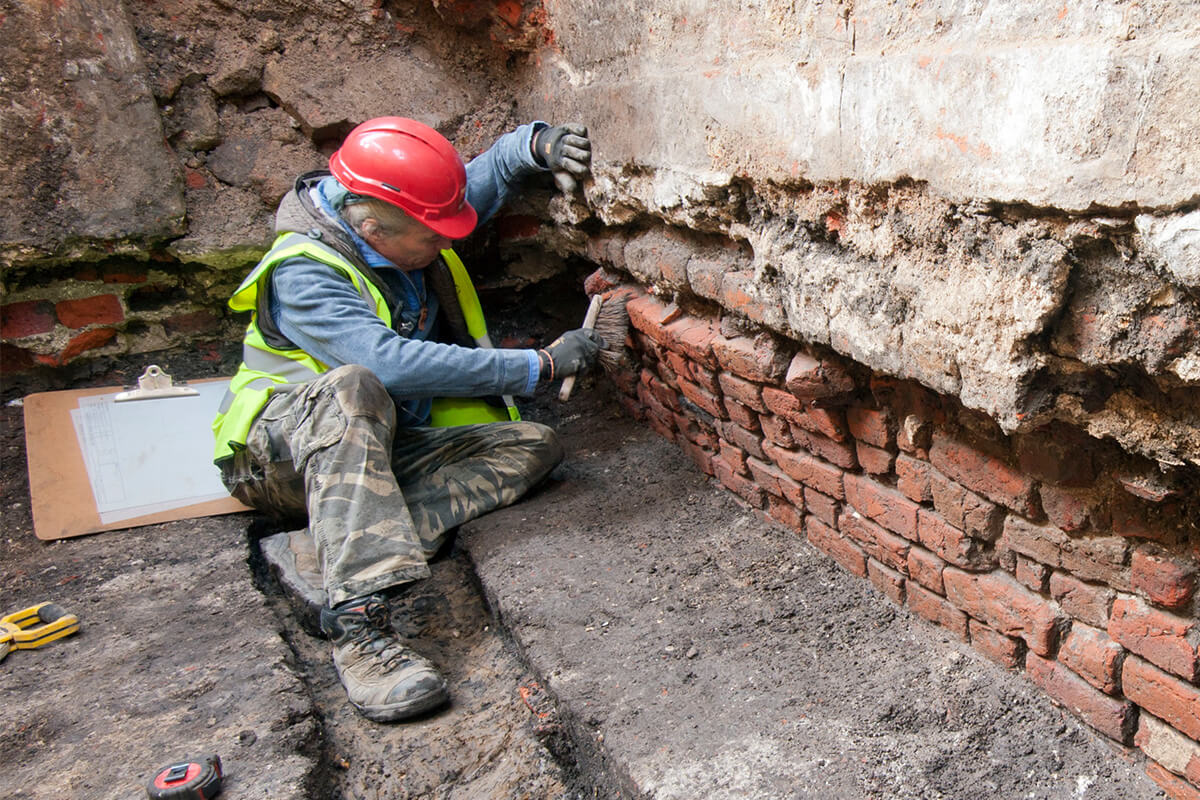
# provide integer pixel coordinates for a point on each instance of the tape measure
(187, 780)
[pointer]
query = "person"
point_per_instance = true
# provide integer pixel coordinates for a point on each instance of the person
(362, 321)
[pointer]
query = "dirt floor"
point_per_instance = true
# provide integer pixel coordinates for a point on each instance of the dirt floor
(650, 638)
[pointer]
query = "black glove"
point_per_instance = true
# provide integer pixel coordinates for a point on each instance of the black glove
(570, 353)
(566, 151)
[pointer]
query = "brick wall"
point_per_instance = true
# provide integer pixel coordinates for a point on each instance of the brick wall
(1050, 553)
(53, 317)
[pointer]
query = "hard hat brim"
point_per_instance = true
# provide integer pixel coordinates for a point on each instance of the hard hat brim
(455, 226)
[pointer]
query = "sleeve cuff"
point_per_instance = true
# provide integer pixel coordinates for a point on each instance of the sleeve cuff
(535, 371)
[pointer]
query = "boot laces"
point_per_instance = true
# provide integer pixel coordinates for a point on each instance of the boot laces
(374, 634)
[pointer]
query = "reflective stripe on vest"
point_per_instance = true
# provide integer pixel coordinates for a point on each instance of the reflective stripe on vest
(266, 369)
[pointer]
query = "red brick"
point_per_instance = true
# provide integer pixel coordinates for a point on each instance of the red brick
(870, 425)
(745, 392)
(763, 358)
(964, 509)
(841, 550)
(913, 479)
(706, 378)
(88, 340)
(749, 441)
(27, 318)
(101, 309)
(193, 323)
(772, 479)
(1058, 454)
(1164, 696)
(926, 569)
(1170, 748)
(1114, 718)
(874, 460)
(822, 506)
(693, 338)
(743, 487)
(983, 473)
(814, 381)
(827, 422)
(886, 506)
(680, 366)
(1073, 510)
(663, 427)
(1168, 580)
(1158, 523)
(1093, 558)
(706, 401)
(935, 609)
(735, 457)
(652, 402)
(700, 457)
(633, 408)
(1006, 606)
(665, 395)
(1094, 657)
(742, 415)
(646, 314)
(14, 359)
(1004, 650)
(807, 469)
(786, 513)
(878, 543)
(840, 453)
(1164, 639)
(1083, 601)
(1032, 575)
(601, 281)
(1174, 787)
(784, 404)
(776, 430)
(887, 581)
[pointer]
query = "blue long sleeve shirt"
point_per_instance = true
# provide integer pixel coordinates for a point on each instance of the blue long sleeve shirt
(323, 314)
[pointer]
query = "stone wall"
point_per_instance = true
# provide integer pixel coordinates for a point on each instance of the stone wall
(1047, 551)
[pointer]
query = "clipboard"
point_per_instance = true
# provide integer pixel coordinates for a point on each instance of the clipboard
(66, 498)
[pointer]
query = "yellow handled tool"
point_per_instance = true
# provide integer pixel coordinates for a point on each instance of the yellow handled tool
(35, 626)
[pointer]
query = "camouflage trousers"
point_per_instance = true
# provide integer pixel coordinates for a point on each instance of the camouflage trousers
(379, 499)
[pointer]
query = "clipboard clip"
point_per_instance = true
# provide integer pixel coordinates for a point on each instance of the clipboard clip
(154, 384)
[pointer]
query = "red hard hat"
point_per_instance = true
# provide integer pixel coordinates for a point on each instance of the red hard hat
(410, 165)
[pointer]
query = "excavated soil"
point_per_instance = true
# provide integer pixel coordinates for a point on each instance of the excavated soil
(647, 636)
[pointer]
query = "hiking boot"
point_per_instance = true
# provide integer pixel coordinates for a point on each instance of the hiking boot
(292, 557)
(384, 679)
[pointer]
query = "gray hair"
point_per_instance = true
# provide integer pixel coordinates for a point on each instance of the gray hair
(391, 219)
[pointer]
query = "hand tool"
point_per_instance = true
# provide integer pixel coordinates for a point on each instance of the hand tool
(35, 626)
(191, 779)
(610, 319)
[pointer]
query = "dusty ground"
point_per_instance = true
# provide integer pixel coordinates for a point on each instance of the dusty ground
(672, 645)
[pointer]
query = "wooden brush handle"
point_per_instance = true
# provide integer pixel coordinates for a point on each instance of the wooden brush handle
(589, 322)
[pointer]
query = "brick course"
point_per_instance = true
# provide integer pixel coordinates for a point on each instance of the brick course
(1095, 600)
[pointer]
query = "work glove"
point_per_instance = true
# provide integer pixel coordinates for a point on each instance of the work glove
(566, 151)
(570, 353)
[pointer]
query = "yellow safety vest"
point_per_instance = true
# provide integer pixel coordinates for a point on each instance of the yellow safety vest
(266, 368)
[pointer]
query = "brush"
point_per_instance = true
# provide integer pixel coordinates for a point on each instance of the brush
(609, 319)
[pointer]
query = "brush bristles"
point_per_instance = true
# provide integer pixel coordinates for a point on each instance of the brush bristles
(612, 323)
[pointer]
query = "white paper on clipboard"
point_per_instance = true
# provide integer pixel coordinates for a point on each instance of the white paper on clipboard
(147, 456)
